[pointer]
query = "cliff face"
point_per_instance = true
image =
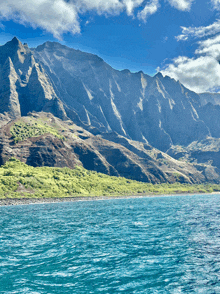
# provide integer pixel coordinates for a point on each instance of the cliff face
(157, 110)
(24, 84)
(205, 152)
(9, 101)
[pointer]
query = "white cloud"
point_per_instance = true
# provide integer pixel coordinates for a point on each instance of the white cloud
(55, 17)
(100, 6)
(210, 47)
(181, 4)
(202, 72)
(197, 74)
(148, 10)
(216, 4)
(131, 5)
(199, 32)
(61, 16)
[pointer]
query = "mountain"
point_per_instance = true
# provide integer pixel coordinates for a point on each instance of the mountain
(128, 121)
(156, 110)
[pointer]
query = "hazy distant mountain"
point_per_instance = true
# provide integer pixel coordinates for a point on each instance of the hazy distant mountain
(213, 98)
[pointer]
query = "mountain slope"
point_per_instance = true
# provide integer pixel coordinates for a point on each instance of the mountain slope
(157, 110)
(48, 141)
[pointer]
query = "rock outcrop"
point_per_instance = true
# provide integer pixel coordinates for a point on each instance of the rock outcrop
(205, 152)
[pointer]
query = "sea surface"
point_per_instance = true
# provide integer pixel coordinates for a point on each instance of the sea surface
(141, 245)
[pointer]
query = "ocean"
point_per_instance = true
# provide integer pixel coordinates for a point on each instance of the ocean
(140, 245)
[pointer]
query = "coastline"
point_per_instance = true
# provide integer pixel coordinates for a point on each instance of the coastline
(30, 201)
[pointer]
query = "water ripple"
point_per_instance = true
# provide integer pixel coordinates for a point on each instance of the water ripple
(147, 245)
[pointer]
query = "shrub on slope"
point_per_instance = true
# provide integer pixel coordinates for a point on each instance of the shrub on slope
(18, 180)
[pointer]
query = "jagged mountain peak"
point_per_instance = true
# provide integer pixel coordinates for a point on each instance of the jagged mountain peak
(15, 41)
(49, 44)
(128, 103)
(24, 84)
(158, 75)
(15, 50)
(67, 52)
(78, 86)
(125, 71)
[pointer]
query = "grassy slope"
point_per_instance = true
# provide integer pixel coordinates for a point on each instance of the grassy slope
(18, 180)
(21, 131)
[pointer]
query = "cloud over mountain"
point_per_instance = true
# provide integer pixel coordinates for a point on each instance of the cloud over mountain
(201, 72)
(56, 17)
(60, 16)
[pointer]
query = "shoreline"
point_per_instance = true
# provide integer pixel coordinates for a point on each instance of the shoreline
(31, 201)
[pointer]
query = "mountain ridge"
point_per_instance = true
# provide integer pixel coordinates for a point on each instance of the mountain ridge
(113, 107)
(104, 97)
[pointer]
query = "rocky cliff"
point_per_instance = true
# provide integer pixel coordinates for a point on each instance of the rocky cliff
(25, 85)
(155, 109)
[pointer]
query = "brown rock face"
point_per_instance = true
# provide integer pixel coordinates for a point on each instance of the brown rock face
(44, 151)
(118, 157)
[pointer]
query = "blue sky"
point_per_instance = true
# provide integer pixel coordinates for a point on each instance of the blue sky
(181, 38)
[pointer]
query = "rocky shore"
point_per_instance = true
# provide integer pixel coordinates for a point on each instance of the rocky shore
(26, 201)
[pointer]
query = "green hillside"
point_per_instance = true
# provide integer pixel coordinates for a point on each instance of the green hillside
(21, 131)
(18, 180)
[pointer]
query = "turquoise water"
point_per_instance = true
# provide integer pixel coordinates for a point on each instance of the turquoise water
(145, 245)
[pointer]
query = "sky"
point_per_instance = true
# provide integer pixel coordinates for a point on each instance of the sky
(179, 38)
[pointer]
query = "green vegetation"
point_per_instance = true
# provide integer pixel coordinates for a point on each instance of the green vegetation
(18, 180)
(21, 131)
